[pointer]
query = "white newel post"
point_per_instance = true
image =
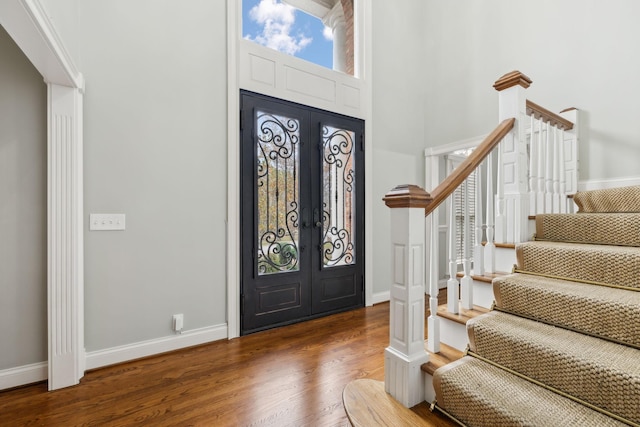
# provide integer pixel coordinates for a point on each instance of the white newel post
(513, 159)
(406, 352)
(65, 237)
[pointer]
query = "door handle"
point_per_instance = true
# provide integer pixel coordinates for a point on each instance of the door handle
(305, 218)
(316, 218)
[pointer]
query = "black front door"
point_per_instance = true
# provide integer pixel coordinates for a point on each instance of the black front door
(302, 212)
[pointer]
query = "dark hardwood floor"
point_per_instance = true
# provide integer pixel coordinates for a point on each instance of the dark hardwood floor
(290, 376)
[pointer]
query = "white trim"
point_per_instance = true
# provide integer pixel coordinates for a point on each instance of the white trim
(233, 169)
(29, 26)
(115, 355)
(65, 262)
(22, 375)
(380, 297)
(454, 146)
(27, 22)
(363, 46)
(599, 184)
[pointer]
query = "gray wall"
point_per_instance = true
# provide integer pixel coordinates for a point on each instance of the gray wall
(23, 209)
(398, 116)
(155, 150)
(578, 54)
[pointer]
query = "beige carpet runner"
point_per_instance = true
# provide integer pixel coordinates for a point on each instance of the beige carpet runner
(562, 345)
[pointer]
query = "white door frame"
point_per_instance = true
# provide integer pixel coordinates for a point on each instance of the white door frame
(27, 23)
(363, 62)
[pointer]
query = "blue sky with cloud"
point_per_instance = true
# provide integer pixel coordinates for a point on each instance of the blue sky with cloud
(288, 30)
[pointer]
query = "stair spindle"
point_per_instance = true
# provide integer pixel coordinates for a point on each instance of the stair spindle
(453, 297)
(548, 190)
(490, 247)
(540, 199)
(533, 166)
(478, 252)
(466, 288)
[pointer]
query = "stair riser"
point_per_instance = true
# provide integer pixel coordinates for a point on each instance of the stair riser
(453, 334)
(505, 259)
(482, 294)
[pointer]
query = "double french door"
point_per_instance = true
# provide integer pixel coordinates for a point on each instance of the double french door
(302, 212)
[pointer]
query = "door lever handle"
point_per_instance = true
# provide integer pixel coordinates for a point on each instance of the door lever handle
(316, 218)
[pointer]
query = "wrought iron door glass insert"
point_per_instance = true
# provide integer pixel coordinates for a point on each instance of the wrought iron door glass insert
(338, 197)
(278, 139)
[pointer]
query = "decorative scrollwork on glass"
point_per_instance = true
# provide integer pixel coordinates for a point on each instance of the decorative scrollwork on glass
(338, 242)
(277, 185)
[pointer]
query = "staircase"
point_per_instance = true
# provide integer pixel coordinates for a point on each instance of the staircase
(562, 343)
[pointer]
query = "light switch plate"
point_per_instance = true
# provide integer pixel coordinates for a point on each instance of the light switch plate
(106, 222)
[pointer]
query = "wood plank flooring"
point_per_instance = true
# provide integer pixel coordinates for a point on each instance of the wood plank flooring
(290, 376)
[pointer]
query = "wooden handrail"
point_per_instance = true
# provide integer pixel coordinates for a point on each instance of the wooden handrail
(539, 112)
(468, 165)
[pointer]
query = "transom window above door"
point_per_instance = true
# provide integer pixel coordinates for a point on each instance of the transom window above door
(319, 31)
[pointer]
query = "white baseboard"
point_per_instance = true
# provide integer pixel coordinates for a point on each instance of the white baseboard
(381, 297)
(22, 375)
(111, 356)
(600, 184)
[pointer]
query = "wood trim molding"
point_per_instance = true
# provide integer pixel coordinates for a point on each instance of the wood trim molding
(407, 196)
(512, 79)
(545, 115)
(451, 182)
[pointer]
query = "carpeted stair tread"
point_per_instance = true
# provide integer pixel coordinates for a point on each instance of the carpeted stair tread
(610, 265)
(599, 372)
(593, 228)
(479, 394)
(622, 199)
(609, 313)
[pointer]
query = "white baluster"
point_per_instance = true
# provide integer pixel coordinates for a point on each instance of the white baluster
(478, 252)
(548, 190)
(533, 166)
(563, 174)
(490, 247)
(540, 199)
(453, 296)
(433, 323)
(466, 288)
(557, 147)
(501, 226)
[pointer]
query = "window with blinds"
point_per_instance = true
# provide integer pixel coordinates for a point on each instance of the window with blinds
(468, 187)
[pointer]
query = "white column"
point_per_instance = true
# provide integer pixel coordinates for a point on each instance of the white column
(335, 20)
(65, 237)
(406, 353)
(513, 156)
